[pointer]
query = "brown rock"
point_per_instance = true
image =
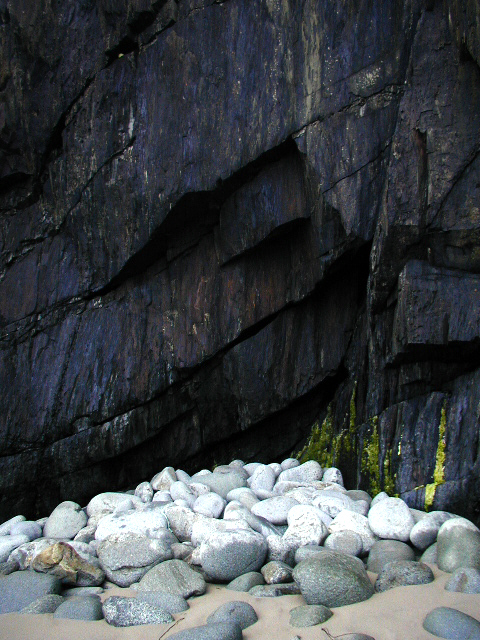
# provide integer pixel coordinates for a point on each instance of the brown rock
(62, 561)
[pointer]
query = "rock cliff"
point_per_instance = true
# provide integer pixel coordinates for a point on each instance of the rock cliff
(226, 226)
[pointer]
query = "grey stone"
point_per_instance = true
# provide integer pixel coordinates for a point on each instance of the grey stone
(10, 543)
(246, 581)
(173, 576)
(333, 502)
(44, 604)
(379, 497)
(87, 534)
(129, 612)
(289, 463)
(401, 573)
(204, 527)
(223, 482)
(183, 476)
(309, 615)
(21, 588)
(171, 602)
(126, 557)
(6, 526)
(458, 545)
(162, 480)
(227, 555)
(305, 526)
(352, 521)
(80, 608)
(275, 590)
(163, 497)
(180, 491)
(104, 503)
(307, 472)
(236, 511)
(244, 495)
(275, 510)
(262, 478)
(424, 532)
(332, 474)
(356, 636)
(65, 521)
(276, 572)
(430, 555)
(359, 494)
(234, 611)
(279, 550)
(6, 568)
(333, 579)
(83, 591)
(391, 519)
(149, 521)
(210, 505)
(277, 468)
(452, 624)
(344, 542)
(308, 551)
(251, 466)
(464, 580)
(144, 491)
(181, 550)
(213, 631)
(385, 551)
(28, 528)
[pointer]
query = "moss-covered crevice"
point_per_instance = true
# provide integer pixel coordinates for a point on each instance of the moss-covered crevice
(376, 467)
(439, 471)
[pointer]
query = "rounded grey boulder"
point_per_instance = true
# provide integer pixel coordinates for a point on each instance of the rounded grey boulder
(246, 582)
(309, 615)
(225, 555)
(401, 573)
(173, 576)
(45, 604)
(458, 545)
(21, 588)
(385, 551)
(452, 624)
(235, 611)
(130, 612)
(168, 601)
(80, 608)
(65, 521)
(464, 580)
(333, 579)
(213, 631)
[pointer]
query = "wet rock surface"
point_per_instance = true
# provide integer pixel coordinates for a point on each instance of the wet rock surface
(321, 271)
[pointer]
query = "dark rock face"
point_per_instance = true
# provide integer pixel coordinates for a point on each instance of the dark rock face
(223, 222)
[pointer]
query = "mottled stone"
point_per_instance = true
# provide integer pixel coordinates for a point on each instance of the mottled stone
(464, 580)
(62, 561)
(234, 611)
(227, 555)
(445, 622)
(309, 615)
(129, 612)
(20, 589)
(175, 577)
(246, 581)
(80, 608)
(401, 573)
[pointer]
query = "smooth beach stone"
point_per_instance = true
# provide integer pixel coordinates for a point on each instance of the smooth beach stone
(424, 532)
(9, 544)
(275, 510)
(332, 474)
(210, 505)
(234, 611)
(181, 491)
(144, 491)
(183, 476)
(345, 542)
(307, 472)
(82, 591)
(236, 511)
(401, 573)
(420, 515)
(309, 615)
(126, 557)
(251, 466)
(246, 581)
(28, 528)
(303, 495)
(262, 478)
(87, 534)
(244, 495)
(173, 576)
(181, 550)
(213, 631)
(385, 551)
(289, 463)
(61, 560)
(229, 554)
(356, 636)
(305, 526)
(307, 552)
(161, 481)
(391, 519)
(80, 608)
(21, 588)
(279, 550)
(359, 494)
(464, 580)
(170, 602)
(202, 529)
(107, 502)
(150, 522)
(181, 521)
(6, 526)
(44, 604)
(277, 468)
(65, 521)
(236, 463)
(430, 555)
(352, 521)
(226, 468)
(162, 496)
(379, 497)
(333, 579)
(275, 590)
(276, 572)
(129, 612)
(452, 624)
(458, 545)
(8, 567)
(223, 482)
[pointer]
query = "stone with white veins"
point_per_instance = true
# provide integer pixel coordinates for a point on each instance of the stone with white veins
(391, 519)
(65, 521)
(227, 555)
(305, 526)
(307, 472)
(275, 510)
(210, 505)
(149, 522)
(352, 521)
(162, 480)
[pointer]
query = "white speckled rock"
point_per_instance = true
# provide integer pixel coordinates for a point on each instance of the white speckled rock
(210, 505)
(262, 478)
(199, 488)
(352, 521)
(105, 503)
(391, 519)
(181, 520)
(180, 491)
(289, 463)
(149, 522)
(332, 474)
(333, 502)
(275, 510)
(65, 521)
(345, 542)
(307, 472)
(279, 550)
(227, 555)
(204, 527)
(244, 495)
(305, 526)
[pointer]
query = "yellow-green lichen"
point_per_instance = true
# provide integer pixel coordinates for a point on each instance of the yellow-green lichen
(439, 471)
(370, 458)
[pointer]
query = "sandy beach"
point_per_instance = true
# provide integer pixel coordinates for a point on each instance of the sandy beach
(393, 615)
